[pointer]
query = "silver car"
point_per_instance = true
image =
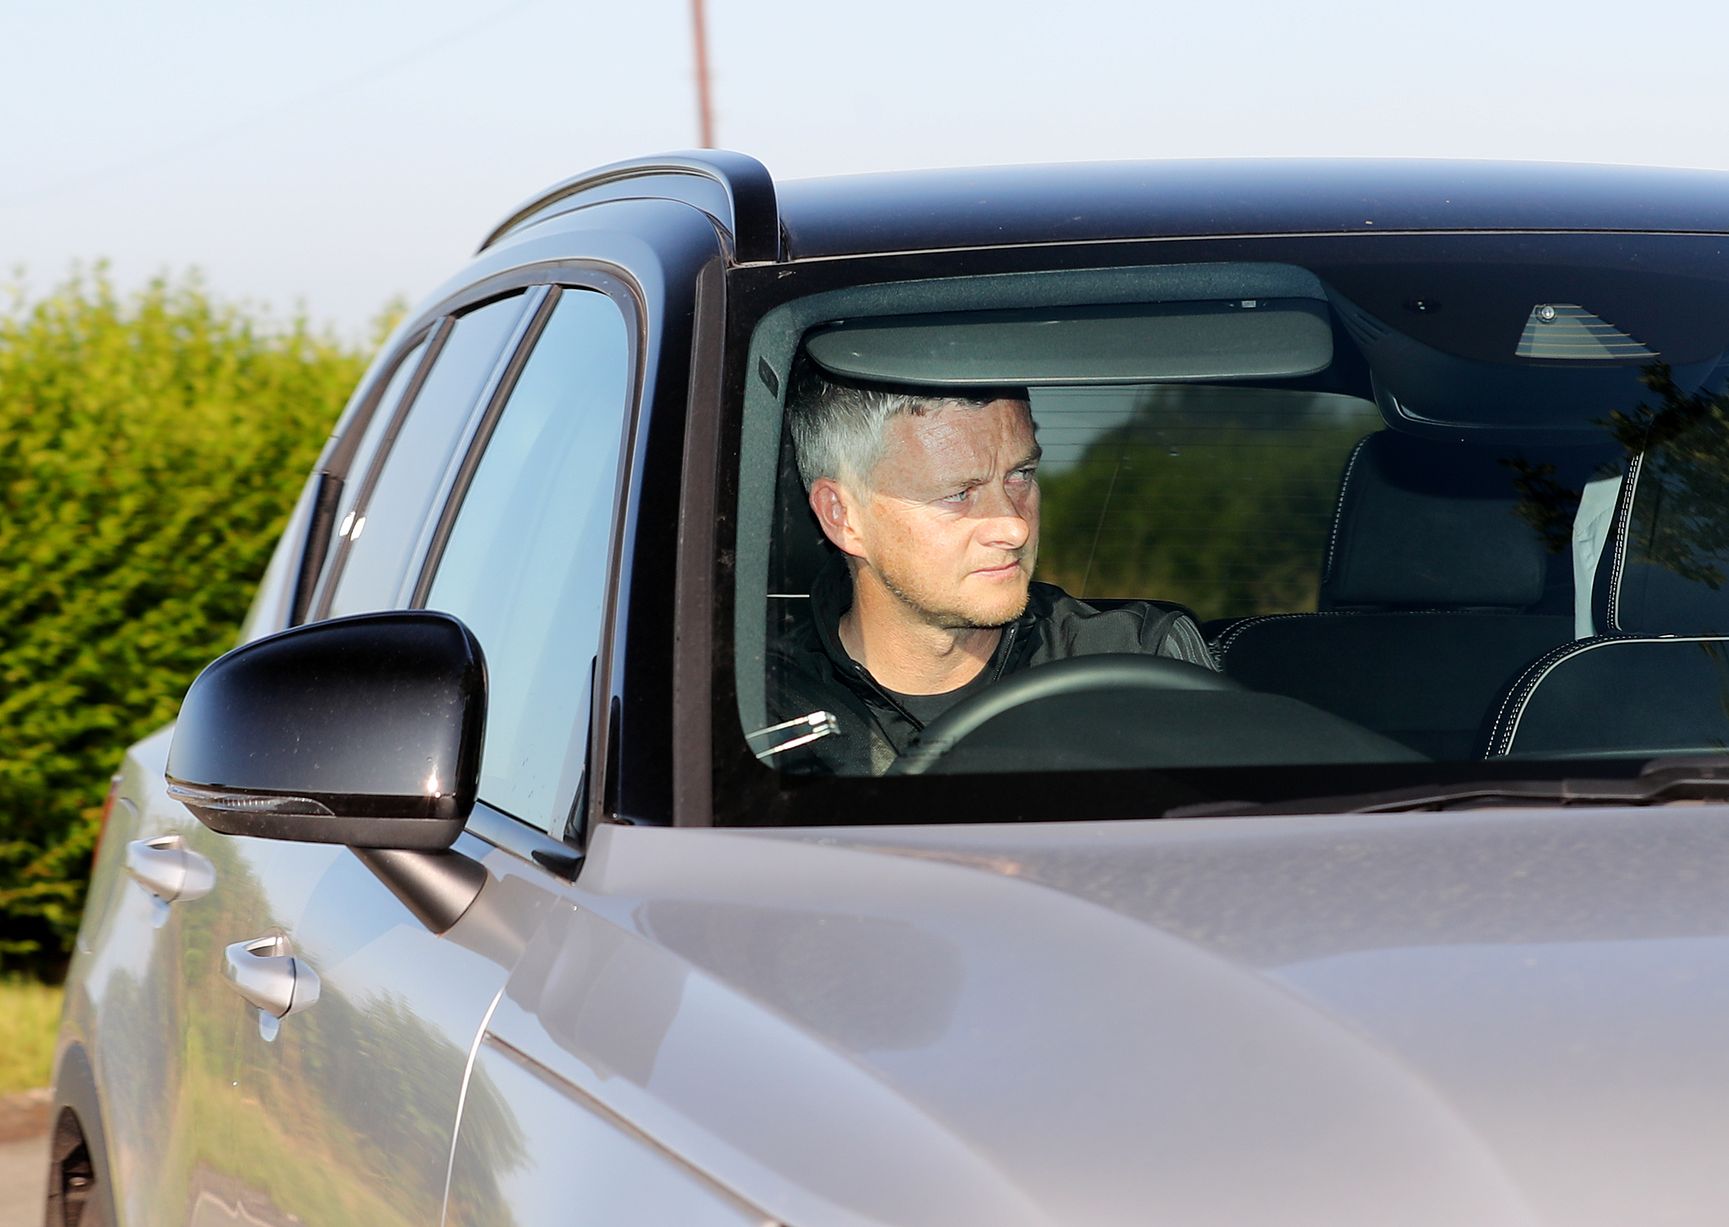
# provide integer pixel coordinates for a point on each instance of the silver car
(511, 871)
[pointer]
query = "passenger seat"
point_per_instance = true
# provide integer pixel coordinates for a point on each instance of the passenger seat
(1657, 680)
(1434, 594)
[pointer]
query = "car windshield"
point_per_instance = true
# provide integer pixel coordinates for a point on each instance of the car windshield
(1300, 516)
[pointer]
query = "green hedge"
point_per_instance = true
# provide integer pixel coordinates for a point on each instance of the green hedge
(151, 446)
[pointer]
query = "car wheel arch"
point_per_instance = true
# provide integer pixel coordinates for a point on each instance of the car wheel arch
(80, 1184)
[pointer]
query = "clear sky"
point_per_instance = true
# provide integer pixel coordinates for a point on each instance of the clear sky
(327, 155)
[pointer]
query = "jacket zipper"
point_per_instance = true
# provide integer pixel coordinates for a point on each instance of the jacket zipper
(1007, 651)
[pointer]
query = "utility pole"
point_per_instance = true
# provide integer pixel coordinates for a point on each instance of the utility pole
(705, 111)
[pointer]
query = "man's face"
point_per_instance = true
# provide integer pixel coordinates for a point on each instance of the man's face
(949, 522)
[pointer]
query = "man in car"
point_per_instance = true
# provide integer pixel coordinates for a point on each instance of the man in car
(932, 504)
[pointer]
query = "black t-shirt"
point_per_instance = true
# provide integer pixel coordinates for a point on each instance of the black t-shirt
(927, 707)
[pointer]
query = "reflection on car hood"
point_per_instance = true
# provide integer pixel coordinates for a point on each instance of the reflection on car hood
(1488, 1017)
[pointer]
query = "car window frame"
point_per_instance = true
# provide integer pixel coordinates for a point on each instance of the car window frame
(621, 292)
(533, 296)
(560, 856)
(664, 263)
(312, 551)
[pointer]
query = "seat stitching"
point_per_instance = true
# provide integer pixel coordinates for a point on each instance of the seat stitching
(1519, 694)
(1339, 510)
(1229, 638)
(1514, 693)
(1621, 535)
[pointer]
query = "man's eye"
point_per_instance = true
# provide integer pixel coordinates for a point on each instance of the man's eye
(1027, 474)
(959, 496)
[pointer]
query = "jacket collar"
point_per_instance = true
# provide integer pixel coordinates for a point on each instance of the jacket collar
(830, 598)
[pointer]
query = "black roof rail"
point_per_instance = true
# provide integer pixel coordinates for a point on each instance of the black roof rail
(750, 213)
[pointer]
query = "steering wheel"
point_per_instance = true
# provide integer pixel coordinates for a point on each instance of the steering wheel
(1112, 672)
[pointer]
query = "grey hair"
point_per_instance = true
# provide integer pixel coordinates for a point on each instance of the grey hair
(838, 429)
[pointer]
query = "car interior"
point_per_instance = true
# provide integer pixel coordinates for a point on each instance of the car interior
(1483, 525)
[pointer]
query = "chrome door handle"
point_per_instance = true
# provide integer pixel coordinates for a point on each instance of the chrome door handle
(269, 977)
(169, 870)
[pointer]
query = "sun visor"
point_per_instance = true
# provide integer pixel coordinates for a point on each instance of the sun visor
(1255, 338)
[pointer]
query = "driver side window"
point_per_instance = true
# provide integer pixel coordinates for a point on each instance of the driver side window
(526, 564)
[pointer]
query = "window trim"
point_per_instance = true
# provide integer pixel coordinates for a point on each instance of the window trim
(337, 549)
(537, 305)
(387, 445)
(626, 297)
(478, 434)
(330, 474)
(715, 353)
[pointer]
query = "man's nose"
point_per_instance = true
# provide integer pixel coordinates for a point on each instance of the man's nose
(1008, 522)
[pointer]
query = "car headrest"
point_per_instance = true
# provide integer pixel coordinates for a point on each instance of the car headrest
(1427, 524)
(1665, 570)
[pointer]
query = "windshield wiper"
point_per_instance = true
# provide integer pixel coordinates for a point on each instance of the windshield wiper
(1659, 782)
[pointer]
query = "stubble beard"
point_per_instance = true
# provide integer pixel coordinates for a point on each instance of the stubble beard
(947, 617)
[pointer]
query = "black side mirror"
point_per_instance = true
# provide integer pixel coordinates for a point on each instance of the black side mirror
(363, 731)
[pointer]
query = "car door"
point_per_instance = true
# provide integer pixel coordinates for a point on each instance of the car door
(161, 1061)
(361, 1085)
(161, 1071)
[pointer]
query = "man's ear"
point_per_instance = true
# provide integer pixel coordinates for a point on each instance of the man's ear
(834, 507)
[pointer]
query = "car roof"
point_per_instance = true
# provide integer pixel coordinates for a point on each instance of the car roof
(854, 215)
(1091, 202)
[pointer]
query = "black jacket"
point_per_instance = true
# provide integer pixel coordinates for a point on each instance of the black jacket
(809, 670)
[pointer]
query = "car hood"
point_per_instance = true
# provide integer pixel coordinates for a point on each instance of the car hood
(1485, 1017)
